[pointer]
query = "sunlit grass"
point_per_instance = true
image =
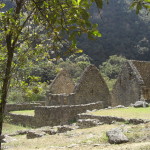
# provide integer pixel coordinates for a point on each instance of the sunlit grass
(10, 128)
(131, 112)
(24, 112)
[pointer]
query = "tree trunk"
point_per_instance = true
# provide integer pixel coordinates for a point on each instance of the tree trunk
(5, 84)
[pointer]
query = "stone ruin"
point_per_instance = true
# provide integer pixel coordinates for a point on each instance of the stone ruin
(62, 84)
(133, 83)
(90, 88)
(65, 100)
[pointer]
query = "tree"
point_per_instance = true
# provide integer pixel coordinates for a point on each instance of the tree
(141, 4)
(24, 20)
(112, 67)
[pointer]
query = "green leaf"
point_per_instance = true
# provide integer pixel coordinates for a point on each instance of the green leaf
(97, 34)
(79, 51)
(2, 5)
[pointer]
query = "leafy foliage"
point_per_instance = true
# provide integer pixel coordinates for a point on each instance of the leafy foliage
(31, 83)
(141, 4)
(21, 25)
(111, 68)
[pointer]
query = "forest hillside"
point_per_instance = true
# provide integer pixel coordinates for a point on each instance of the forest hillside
(123, 33)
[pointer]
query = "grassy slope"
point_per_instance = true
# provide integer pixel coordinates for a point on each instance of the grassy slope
(141, 113)
(84, 139)
(24, 112)
(10, 128)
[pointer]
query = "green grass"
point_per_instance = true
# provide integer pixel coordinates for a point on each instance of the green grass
(127, 113)
(24, 112)
(10, 128)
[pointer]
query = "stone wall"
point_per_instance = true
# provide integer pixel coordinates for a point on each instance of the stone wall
(23, 120)
(146, 93)
(133, 83)
(60, 99)
(60, 115)
(17, 107)
(144, 69)
(62, 84)
(127, 89)
(91, 88)
(53, 115)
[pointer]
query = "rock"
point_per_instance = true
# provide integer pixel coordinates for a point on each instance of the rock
(87, 123)
(73, 145)
(136, 121)
(131, 105)
(116, 136)
(6, 139)
(48, 130)
(120, 106)
(140, 104)
(34, 134)
(22, 132)
(64, 128)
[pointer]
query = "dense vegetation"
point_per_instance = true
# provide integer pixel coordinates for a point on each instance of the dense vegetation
(31, 82)
(33, 28)
(123, 33)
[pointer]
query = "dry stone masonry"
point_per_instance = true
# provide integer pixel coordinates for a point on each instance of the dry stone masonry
(90, 88)
(65, 101)
(133, 84)
(62, 84)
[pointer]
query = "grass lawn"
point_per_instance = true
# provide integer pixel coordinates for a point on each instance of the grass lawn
(10, 128)
(127, 113)
(84, 139)
(24, 112)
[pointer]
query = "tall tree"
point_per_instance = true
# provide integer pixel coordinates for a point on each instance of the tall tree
(22, 23)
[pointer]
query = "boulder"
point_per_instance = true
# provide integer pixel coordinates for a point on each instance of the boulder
(34, 134)
(87, 123)
(116, 136)
(140, 104)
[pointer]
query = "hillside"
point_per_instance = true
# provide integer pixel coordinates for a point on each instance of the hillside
(123, 33)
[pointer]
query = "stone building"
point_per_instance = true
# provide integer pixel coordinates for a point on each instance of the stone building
(133, 83)
(90, 88)
(65, 101)
(62, 84)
